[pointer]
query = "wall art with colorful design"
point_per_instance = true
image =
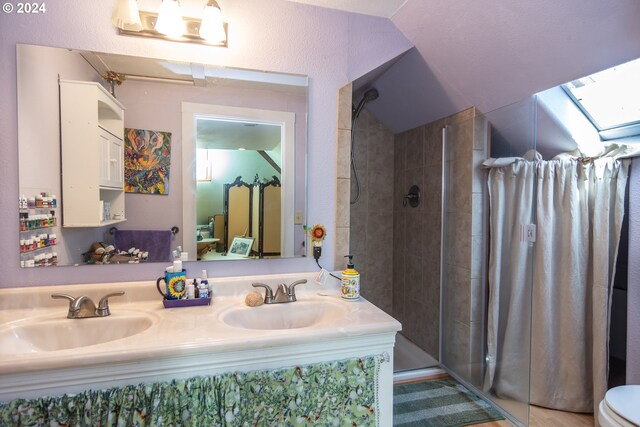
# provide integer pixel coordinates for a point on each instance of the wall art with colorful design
(147, 157)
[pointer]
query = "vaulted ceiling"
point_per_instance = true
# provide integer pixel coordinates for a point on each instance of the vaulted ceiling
(491, 53)
(382, 8)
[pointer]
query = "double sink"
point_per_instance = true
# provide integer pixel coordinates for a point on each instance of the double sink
(55, 332)
(46, 354)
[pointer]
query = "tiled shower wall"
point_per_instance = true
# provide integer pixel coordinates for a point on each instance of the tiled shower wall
(416, 259)
(396, 248)
(464, 248)
(343, 176)
(372, 231)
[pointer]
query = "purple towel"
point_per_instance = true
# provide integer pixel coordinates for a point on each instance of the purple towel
(156, 242)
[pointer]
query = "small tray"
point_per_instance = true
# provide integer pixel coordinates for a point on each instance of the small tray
(174, 303)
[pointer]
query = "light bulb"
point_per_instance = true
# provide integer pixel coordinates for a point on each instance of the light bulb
(126, 16)
(170, 20)
(211, 27)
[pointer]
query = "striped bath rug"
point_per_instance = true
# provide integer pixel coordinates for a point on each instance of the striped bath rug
(439, 403)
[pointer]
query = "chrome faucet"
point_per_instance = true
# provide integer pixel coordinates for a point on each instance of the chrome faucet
(283, 294)
(268, 295)
(82, 307)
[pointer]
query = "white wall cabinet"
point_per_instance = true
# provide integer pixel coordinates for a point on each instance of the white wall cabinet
(92, 129)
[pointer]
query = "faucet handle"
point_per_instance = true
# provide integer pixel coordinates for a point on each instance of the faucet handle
(103, 305)
(63, 296)
(268, 296)
(67, 297)
(292, 288)
(74, 304)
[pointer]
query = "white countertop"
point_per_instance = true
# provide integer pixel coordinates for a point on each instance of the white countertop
(179, 331)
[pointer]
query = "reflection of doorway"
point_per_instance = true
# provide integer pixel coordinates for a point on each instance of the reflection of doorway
(232, 159)
(228, 142)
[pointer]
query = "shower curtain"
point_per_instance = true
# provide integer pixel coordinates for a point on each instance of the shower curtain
(578, 209)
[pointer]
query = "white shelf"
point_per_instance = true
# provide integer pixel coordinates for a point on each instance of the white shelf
(31, 230)
(36, 250)
(100, 224)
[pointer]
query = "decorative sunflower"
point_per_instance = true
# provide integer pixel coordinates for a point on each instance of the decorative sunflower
(318, 233)
(176, 286)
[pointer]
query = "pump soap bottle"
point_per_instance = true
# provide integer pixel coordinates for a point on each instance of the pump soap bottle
(350, 281)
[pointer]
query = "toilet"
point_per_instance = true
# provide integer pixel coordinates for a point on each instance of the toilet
(620, 407)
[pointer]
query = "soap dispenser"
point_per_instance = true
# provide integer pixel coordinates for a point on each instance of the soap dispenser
(350, 281)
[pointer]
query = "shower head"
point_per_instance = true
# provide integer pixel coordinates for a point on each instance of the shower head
(370, 95)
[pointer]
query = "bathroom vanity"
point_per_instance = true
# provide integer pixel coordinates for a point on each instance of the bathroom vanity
(46, 354)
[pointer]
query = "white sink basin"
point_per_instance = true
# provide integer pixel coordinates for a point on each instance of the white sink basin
(59, 333)
(293, 315)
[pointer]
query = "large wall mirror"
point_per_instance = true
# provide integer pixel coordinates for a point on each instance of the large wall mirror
(224, 151)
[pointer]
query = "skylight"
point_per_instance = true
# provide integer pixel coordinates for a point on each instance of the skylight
(610, 99)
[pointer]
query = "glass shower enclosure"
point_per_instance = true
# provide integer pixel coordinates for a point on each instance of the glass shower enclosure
(474, 322)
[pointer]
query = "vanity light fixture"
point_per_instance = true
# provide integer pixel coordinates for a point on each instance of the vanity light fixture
(169, 24)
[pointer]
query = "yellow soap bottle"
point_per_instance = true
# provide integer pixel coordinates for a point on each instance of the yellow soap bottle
(350, 282)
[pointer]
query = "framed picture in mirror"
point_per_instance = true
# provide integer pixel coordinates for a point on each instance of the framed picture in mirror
(240, 247)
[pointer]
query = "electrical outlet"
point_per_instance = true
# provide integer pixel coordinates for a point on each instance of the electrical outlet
(317, 252)
(297, 218)
(528, 233)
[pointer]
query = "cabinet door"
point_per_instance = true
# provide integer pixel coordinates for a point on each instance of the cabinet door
(116, 163)
(103, 138)
(111, 160)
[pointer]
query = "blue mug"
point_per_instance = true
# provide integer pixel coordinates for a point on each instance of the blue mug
(175, 285)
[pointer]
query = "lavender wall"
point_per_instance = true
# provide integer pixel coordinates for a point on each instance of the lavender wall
(329, 46)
